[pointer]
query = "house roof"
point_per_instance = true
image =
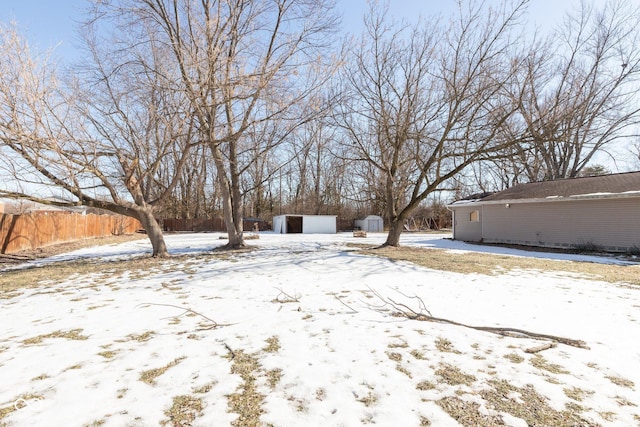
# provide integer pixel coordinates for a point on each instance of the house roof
(614, 185)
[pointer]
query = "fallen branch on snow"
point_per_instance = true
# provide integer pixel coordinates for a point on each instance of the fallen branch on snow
(284, 297)
(422, 314)
(186, 310)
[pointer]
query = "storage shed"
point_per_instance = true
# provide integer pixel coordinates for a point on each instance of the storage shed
(307, 224)
(371, 223)
(599, 212)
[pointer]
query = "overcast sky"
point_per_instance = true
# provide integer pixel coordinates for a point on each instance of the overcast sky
(52, 23)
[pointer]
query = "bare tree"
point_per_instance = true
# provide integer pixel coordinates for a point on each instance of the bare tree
(100, 141)
(577, 92)
(242, 63)
(424, 102)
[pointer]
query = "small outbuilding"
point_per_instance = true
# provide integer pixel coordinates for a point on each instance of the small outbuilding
(307, 224)
(371, 223)
(598, 212)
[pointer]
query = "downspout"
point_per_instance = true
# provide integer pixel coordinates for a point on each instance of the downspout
(453, 222)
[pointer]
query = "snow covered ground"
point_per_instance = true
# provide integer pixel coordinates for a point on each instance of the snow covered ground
(138, 348)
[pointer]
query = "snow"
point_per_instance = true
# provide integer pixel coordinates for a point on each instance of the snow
(343, 362)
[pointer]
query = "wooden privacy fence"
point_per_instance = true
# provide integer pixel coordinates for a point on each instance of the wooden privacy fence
(214, 224)
(38, 229)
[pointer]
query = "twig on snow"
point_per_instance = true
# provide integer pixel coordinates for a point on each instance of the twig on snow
(186, 310)
(353, 310)
(284, 297)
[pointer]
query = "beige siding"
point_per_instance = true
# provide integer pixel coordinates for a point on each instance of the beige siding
(464, 228)
(612, 224)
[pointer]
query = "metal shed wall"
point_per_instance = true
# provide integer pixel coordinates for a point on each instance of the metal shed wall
(323, 224)
(372, 223)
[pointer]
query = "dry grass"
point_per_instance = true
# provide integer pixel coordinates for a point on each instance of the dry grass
(184, 410)
(467, 413)
(135, 268)
(273, 377)
(273, 345)
(149, 376)
(492, 264)
(514, 357)
(246, 402)
(622, 382)
(14, 405)
(541, 363)
(530, 406)
(73, 334)
(452, 375)
(445, 346)
(425, 385)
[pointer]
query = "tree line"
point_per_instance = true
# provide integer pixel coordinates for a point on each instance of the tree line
(251, 108)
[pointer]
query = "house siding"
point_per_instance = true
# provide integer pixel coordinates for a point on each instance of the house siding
(464, 229)
(611, 224)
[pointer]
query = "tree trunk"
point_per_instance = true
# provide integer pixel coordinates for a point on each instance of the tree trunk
(154, 232)
(395, 229)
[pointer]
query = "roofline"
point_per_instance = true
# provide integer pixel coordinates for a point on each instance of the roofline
(549, 199)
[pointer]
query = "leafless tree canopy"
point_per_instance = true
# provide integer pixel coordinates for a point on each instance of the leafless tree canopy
(422, 102)
(196, 108)
(244, 69)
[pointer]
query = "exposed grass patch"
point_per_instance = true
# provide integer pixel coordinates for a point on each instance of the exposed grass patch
(72, 367)
(492, 264)
(273, 377)
(184, 410)
(273, 345)
(143, 337)
(576, 393)
(246, 402)
(424, 421)
(530, 406)
(445, 346)
(108, 354)
(396, 357)
(418, 354)
(138, 267)
(452, 375)
(369, 400)
(398, 345)
(425, 385)
(15, 404)
(514, 357)
(541, 363)
(73, 334)
(403, 370)
(40, 377)
(206, 388)
(622, 382)
(149, 376)
(467, 413)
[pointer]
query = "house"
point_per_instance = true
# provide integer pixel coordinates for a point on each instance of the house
(371, 223)
(307, 224)
(598, 212)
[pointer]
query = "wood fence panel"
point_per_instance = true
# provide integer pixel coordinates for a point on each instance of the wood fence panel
(38, 229)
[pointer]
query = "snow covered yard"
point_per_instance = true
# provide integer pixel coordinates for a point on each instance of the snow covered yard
(290, 334)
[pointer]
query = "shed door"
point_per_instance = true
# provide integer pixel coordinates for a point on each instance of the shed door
(294, 224)
(373, 225)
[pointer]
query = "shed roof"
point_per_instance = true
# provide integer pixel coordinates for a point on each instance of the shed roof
(619, 184)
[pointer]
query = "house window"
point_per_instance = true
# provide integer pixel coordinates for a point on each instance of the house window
(474, 216)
